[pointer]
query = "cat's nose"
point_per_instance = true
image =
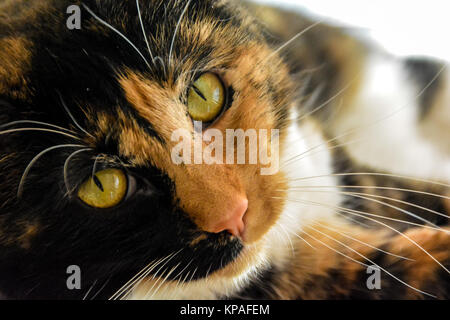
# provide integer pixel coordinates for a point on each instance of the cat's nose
(232, 219)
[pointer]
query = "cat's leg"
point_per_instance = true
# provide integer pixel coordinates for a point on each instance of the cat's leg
(434, 114)
(373, 265)
(397, 123)
(336, 261)
(391, 114)
(399, 120)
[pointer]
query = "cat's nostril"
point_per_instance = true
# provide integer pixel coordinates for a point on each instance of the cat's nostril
(232, 220)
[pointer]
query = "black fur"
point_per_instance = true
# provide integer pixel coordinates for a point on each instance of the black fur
(426, 74)
(110, 246)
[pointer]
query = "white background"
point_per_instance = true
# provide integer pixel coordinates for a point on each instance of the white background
(403, 27)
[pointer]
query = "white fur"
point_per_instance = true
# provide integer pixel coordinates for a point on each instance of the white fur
(436, 126)
(382, 125)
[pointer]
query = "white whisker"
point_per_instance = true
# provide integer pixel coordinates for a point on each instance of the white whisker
(165, 279)
(13, 123)
(183, 270)
(373, 263)
(294, 38)
(132, 280)
(66, 168)
(161, 61)
(379, 202)
(387, 226)
(157, 272)
(90, 289)
(36, 158)
(376, 188)
(94, 167)
(335, 250)
(366, 244)
(373, 174)
(374, 123)
(40, 130)
(137, 279)
(345, 88)
(71, 116)
(141, 278)
(143, 31)
(287, 237)
(100, 290)
(386, 198)
(308, 153)
(366, 214)
(116, 31)
(176, 31)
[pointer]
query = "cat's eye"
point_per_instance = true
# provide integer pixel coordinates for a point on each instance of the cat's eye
(206, 98)
(105, 189)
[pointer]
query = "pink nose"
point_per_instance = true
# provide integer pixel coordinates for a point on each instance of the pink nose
(232, 220)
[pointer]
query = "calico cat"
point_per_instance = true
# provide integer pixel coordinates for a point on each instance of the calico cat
(88, 181)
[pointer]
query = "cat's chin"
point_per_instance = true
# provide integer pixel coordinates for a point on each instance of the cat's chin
(229, 279)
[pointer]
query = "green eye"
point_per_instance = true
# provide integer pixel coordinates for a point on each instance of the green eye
(106, 189)
(206, 98)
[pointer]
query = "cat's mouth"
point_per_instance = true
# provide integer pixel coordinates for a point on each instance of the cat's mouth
(214, 269)
(237, 253)
(233, 251)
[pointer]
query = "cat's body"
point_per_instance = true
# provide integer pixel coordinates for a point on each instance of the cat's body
(363, 144)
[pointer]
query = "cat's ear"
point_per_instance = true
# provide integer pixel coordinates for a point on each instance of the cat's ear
(15, 65)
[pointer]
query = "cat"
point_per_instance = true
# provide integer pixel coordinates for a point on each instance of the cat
(92, 205)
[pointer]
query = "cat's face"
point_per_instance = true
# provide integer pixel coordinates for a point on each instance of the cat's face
(129, 105)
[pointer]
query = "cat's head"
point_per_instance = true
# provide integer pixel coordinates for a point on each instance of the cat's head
(109, 195)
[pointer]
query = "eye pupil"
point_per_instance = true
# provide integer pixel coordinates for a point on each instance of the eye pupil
(98, 183)
(200, 94)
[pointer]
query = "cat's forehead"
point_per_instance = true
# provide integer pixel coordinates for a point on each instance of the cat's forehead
(164, 40)
(167, 44)
(175, 37)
